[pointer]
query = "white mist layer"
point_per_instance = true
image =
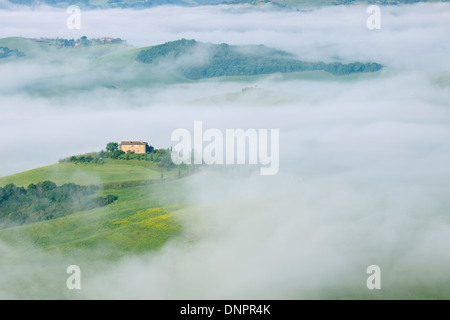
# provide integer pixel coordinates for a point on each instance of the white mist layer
(363, 164)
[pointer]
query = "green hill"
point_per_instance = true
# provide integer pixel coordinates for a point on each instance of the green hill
(146, 215)
(226, 60)
(99, 4)
(143, 217)
(117, 66)
(442, 79)
(55, 51)
(113, 171)
(141, 4)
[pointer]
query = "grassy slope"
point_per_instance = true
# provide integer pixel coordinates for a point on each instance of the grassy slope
(143, 217)
(121, 54)
(307, 3)
(112, 171)
(311, 4)
(32, 49)
(84, 68)
(23, 44)
(442, 79)
(107, 67)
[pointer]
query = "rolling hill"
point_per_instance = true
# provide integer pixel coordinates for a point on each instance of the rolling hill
(141, 4)
(146, 216)
(142, 218)
(116, 65)
(223, 60)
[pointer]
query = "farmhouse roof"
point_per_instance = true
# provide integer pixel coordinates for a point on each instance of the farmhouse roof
(139, 143)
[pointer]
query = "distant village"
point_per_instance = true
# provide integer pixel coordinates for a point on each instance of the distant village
(81, 42)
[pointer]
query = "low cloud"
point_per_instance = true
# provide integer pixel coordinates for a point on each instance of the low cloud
(363, 159)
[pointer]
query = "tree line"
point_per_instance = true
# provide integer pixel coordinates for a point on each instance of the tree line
(45, 200)
(226, 60)
(162, 157)
(6, 52)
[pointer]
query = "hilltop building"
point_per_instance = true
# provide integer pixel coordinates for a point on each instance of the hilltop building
(138, 147)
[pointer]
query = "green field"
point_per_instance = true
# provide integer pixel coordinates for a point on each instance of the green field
(442, 79)
(143, 217)
(147, 214)
(114, 67)
(111, 172)
(140, 4)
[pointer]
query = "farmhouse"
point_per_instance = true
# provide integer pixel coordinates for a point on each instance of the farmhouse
(138, 147)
